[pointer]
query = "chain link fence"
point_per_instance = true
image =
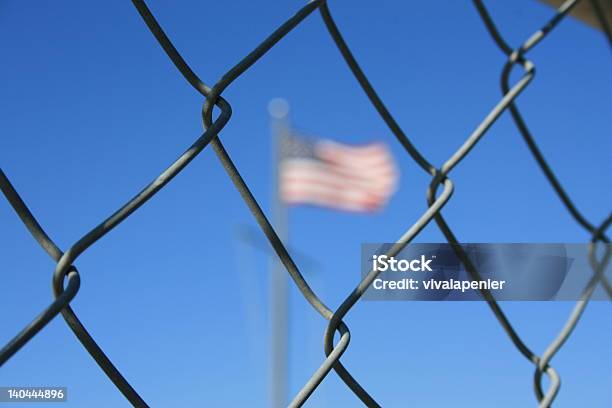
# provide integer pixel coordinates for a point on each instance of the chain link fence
(66, 277)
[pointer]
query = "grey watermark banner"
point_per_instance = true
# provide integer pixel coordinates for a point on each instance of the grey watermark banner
(507, 271)
(33, 394)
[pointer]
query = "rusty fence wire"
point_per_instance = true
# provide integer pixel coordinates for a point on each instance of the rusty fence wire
(66, 277)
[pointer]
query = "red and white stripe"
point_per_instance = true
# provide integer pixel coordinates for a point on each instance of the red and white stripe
(349, 178)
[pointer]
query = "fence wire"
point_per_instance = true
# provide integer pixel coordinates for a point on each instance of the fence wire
(66, 277)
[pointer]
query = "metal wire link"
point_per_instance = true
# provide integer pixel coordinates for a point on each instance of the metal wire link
(66, 278)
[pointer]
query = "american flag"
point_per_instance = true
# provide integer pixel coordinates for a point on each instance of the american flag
(322, 172)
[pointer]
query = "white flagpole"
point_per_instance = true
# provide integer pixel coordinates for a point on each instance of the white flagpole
(279, 290)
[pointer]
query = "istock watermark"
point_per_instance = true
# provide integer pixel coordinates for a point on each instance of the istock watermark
(506, 271)
(384, 262)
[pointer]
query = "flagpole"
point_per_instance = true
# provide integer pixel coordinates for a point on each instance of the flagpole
(279, 286)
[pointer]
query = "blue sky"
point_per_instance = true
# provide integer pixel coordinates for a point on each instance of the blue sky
(91, 110)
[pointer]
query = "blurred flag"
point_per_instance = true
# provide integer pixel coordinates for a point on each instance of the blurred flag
(321, 172)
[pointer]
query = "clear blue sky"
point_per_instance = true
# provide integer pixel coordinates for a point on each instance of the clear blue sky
(91, 110)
